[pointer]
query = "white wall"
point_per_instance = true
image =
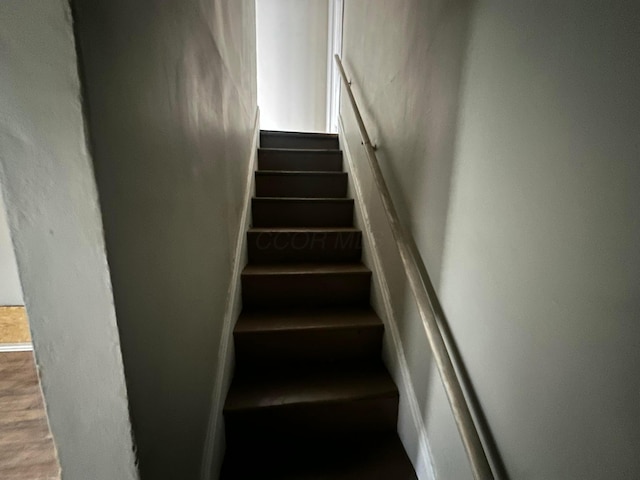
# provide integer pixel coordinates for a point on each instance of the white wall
(53, 213)
(10, 289)
(292, 39)
(508, 132)
(541, 273)
(408, 94)
(171, 95)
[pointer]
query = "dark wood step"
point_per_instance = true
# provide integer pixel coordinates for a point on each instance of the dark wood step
(288, 245)
(299, 160)
(301, 184)
(307, 404)
(302, 212)
(353, 457)
(305, 285)
(310, 398)
(307, 337)
(277, 139)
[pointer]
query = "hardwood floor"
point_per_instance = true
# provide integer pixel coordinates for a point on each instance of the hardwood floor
(27, 451)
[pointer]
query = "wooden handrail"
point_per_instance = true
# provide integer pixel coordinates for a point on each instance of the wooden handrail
(429, 309)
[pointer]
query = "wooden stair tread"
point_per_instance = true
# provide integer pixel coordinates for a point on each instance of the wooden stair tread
(303, 229)
(302, 212)
(311, 173)
(289, 133)
(306, 319)
(302, 200)
(300, 159)
(292, 388)
(292, 183)
(374, 457)
(296, 244)
(305, 268)
(303, 140)
(320, 151)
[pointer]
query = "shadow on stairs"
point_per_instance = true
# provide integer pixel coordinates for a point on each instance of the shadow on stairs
(310, 398)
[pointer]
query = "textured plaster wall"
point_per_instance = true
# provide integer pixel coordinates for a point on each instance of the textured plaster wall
(171, 95)
(292, 39)
(10, 289)
(408, 92)
(53, 213)
(508, 133)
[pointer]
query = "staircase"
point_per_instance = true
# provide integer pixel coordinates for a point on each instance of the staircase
(310, 398)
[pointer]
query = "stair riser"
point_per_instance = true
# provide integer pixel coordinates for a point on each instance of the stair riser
(311, 347)
(282, 160)
(301, 186)
(306, 290)
(288, 247)
(269, 140)
(309, 420)
(289, 213)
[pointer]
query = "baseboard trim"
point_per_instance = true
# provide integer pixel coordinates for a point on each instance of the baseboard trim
(423, 463)
(16, 347)
(214, 451)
